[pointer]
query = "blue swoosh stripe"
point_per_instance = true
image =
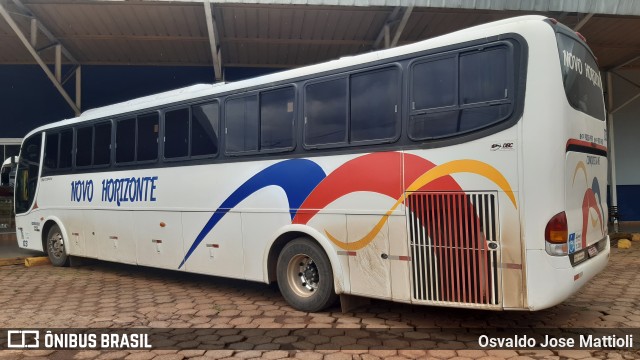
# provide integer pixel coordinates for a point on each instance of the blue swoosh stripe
(296, 177)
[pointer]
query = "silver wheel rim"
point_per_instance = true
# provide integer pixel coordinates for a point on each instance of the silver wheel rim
(303, 275)
(56, 245)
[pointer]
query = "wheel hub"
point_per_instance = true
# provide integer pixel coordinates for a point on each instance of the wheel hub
(303, 275)
(310, 275)
(56, 245)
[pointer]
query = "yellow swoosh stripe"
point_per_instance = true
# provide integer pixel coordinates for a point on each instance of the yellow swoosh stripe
(594, 220)
(583, 167)
(456, 166)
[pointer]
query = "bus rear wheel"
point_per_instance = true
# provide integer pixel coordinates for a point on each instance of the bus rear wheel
(55, 247)
(305, 277)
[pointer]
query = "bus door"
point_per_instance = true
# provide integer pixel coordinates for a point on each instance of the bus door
(27, 177)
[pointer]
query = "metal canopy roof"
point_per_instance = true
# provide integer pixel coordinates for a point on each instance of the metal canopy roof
(282, 33)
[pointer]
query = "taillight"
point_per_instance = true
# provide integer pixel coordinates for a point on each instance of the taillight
(556, 230)
(556, 234)
(553, 21)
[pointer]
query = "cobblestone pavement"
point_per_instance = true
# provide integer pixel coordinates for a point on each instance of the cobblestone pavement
(106, 295)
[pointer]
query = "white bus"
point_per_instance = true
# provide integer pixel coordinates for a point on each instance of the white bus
(467, 170)
(8, 171)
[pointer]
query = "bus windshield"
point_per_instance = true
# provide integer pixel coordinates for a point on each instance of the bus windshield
(580, 76)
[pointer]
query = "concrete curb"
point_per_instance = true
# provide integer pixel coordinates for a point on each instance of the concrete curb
(36, 261)
(12, 261)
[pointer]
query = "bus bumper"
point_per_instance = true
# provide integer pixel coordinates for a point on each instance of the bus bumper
(552, 279)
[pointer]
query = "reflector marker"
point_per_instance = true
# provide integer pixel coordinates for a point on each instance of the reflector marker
(577, 276)
(75, 234)
(215, 246)
(113, 237)
(156, 241)
(347, 253)
(512, 266)
(399, 257)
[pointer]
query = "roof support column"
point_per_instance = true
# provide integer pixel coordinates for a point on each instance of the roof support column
(34, 32)
(611, 144)
(212, 29)
(55, 79)
(401, 25)
(58, 64)
(583, 22)
(78, 87)
(392, 20)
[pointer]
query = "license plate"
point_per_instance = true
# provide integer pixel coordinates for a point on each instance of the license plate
(593, 251)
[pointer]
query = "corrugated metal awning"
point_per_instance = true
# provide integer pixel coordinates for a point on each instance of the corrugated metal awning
(284, 33)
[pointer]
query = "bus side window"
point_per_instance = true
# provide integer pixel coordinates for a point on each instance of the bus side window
(84, 146)
(325, 117)
(147, 144)
(51, 151)
(276, 118)
(463, 92)
(176, 133)
(66, 149)
(374, 105)
(102, 144)
(433, 98)
(484, 87)
(205, 121)
(125, 140)
(241, 124)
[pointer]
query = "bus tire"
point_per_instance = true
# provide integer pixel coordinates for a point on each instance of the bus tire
(56, 247)
(305, 277)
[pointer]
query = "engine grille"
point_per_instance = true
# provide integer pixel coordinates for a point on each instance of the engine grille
(454, 247)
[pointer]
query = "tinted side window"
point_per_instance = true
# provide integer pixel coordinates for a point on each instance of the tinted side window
(433, 125)
(276, 118)
(241, 123)
(325, 106)
(374, 103)
(204, 129)
(51, 151)
(483, 75)
(176, 133)
(84, 140)
(466, 91)
(147, 147)
(434, 84)
(66, 149)
(125, 140)
(102, 144)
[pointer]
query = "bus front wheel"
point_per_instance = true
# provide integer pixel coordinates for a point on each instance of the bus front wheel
(305, 277)
(55, 247)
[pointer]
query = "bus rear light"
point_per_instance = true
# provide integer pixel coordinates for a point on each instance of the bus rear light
(556, 231)
(556, 234)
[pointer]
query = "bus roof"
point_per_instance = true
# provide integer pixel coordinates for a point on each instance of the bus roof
(203, 90)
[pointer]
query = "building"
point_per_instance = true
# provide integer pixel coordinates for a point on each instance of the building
(59, 58)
